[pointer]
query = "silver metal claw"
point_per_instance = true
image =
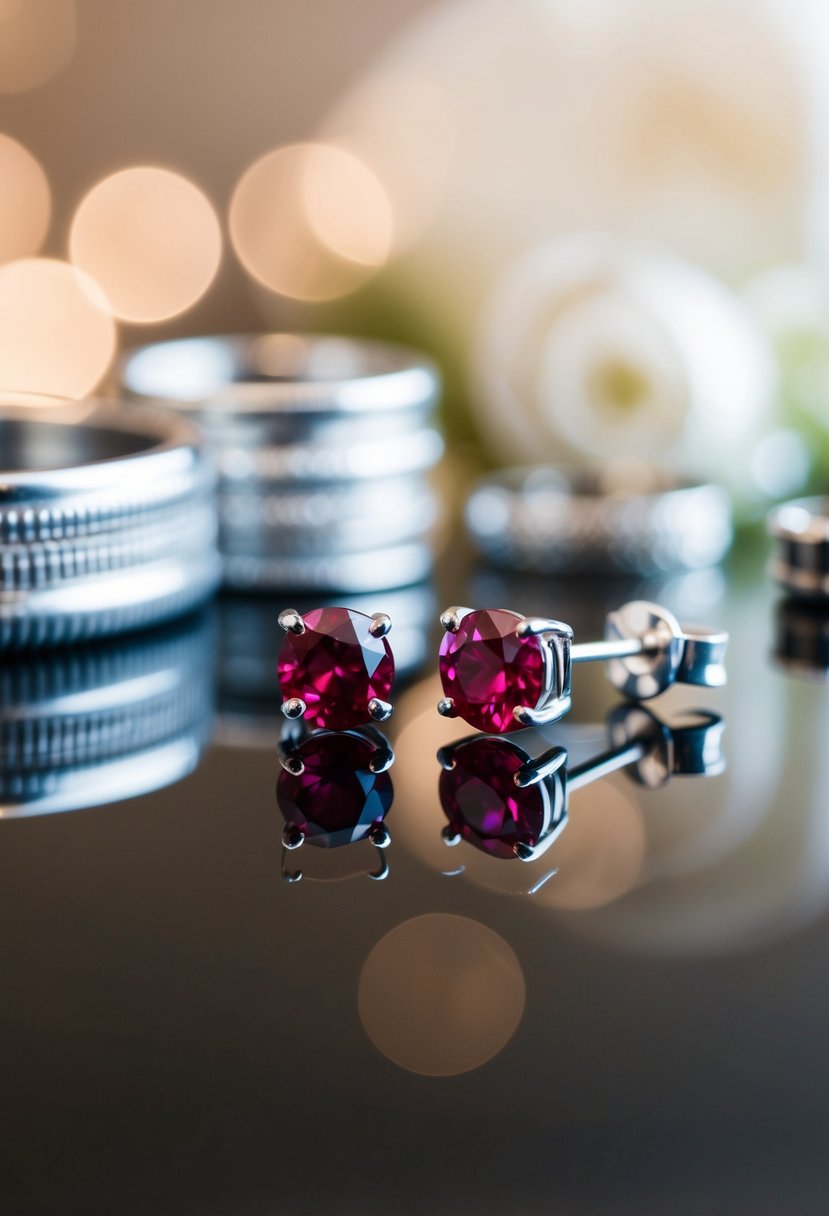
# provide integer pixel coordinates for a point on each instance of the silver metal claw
(551, 712)
(446, 708)
(294, 707)
(380, 624)
(291, 621)
(380, 711)
(451, 618)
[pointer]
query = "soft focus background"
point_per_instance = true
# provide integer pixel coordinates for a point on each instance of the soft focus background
(607, 219)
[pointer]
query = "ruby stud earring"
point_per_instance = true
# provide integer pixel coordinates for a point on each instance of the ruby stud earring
(501, 670)
(335, 667)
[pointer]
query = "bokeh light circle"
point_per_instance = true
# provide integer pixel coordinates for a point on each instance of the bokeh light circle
(57, 335)
(440, 995)
(25, 200)
(150, 238)
(310, 221)
(37, 38)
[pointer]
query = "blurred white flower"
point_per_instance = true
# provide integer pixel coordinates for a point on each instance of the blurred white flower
(698, 125)
(593, 348)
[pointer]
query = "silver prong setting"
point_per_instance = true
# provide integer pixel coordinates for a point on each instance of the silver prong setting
(446, 708)
(380, 624)
(451, 618)
(533, 771)
(543, 716)
(291, 621)
(294, 707)
(451, 838)
(524, 852)
(380, 836)
(292, 764)
(380, 711)
(536, 626)
(382, 760)
(292, 837)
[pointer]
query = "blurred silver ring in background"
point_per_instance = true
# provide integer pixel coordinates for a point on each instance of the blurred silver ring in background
(800, 529)
(283, 377)
(323, 446)
(611, 521)
(107, 521)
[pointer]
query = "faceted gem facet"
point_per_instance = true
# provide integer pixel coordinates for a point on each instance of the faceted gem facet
(482, 802)
(487, 670)
(336, 666)
(337, 799)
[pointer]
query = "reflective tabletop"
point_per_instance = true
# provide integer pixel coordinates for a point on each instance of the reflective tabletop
(633, 1020)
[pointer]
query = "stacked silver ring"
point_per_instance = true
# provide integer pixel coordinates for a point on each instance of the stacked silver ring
(107, 521)
(323, 447)
(548, 521)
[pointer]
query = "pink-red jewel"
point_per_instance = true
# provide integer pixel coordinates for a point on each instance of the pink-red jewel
(484, 805)
(337, 799)
(336, 667)
(487, 670)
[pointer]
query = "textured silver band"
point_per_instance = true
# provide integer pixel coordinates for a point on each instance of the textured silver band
(800, 529)
(107, 522)
(364, 459)
(396, 566)
(282, 378)
(333, 519)
(547, 521)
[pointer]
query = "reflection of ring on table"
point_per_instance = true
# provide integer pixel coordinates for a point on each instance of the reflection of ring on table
(598, 522)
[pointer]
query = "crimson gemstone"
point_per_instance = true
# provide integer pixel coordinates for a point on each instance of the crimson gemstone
(336, 666)
(482, 802)
(487, 670)
(337, 799)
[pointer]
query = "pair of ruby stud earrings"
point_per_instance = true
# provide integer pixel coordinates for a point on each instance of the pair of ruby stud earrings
(500, 670)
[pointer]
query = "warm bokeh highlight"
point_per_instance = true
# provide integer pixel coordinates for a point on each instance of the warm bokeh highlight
(56, 333)
(151, 239)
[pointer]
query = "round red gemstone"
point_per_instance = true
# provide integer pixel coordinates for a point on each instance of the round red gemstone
(488, 670)
(482, 802)
(336, 667)
(337, 799)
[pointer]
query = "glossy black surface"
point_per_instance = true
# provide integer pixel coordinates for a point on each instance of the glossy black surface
(184, 1032)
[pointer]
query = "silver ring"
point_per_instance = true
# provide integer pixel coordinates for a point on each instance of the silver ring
(547, 520)
(93, 468)
(107, 522)
(800, 529)
(332, 519)
(282, 378)
(314, 462)
(373, 570)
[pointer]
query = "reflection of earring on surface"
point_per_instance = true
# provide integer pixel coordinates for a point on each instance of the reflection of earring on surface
(336, 667)
(500, 799)
(334, 789)
(501, 670)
